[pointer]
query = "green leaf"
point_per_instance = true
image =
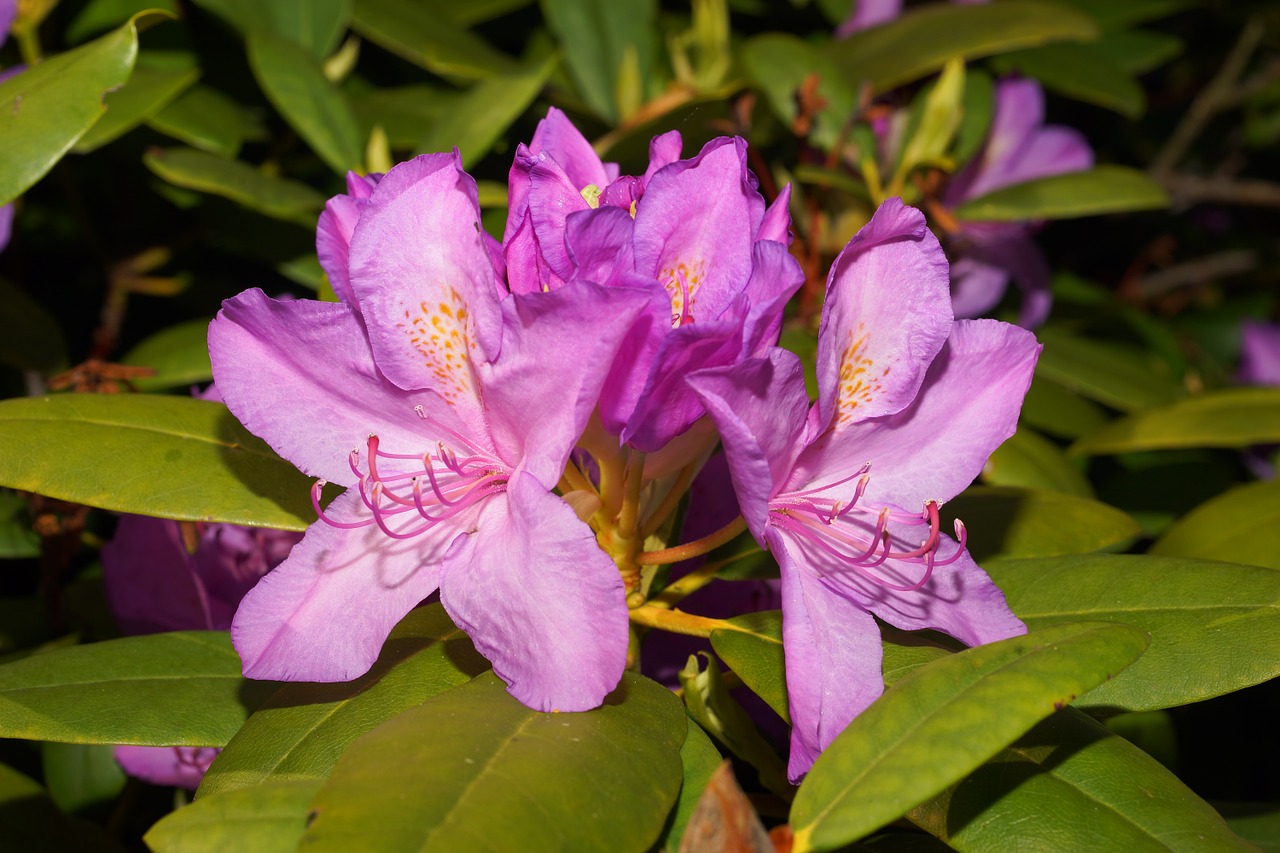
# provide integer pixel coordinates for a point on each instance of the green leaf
(922, 40)
(172, 457)
(236, 180)
(81, 775)
(48, 107)
(1102, 189)
(30, 337)
(944, 719)
(975, 115)
(414, 32)
(753, 650)
(1258, 823)
(1029, 459)
(1069, 784)
(1232, 417)
(1124, 378)
(1213, 626)
(778, 64)
(31, 823)
(597, 39)
(1006, 522)
(475, 759)
(405, 113)
(100, 15)
(315, 25)
(1138, 51)
(476, 120)
(1111, 15)
(17, 538)
(179, 355)
(939, 119)
(296, 86)
(178, 689)
(1239, 526)
(700, 759)
(206, 119)
(1080, 71)
(149, 90)
(298, 734)
(1052, 408)
(264, 819)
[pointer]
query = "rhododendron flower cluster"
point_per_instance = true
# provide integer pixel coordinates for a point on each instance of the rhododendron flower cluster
(516, 424)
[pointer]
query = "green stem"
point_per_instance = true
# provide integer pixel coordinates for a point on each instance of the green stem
(677, 621)
(696, 548)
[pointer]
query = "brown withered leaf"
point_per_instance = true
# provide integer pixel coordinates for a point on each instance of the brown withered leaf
(724, 821)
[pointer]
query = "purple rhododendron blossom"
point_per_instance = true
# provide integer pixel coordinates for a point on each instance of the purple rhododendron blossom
(448, 408)
(153, 583)
(694, 234)
(1259, 353)
(872, 13)
(1019, 148)
(845, 493)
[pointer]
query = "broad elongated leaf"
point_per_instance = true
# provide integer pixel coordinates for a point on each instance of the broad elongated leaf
(178, 689)
(1054, 410)
(31, 823)
(945, 719)
(1069, 784)
(17, 540)
(48, 107)
(475, 759)
(298, 734)
(268, 818)
(1121, 377)
(1029, 459)
(1114, 16)
(313, 106)
(1214, 626)
(923, 39)
(598, 40)
(206, 119)
(1102, 189)
(415, 32)
(405, 113)
(753, 650)
(1239, 526)
(701, 759)
(477, 119)
(30, 337)
(1232, 417)
(166, 456)
(81, 775)
(315, 25)
(179, 355)
(1080, 71)
(236, 180)
(151, 87)
(778, 63)
(1138, 51)
(1016, 522)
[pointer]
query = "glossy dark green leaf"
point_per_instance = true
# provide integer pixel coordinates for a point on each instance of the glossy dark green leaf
(31, 823)
(151, 87)
(270, 818)
(1138, 51)
(1069, 784)
(405, 113)
(598, 40)
(17, 538)
(1053, 409)
(178, 689)
(976, 112)
(98, 16)
(1114, 16)
(473, 759)
(298, 734)
(315, 25)
(172, 457)
(1079, 71)
(946, 718)
(1102, 189)
(236, 180)
(179, 355)
(296, 86)
(476, 120)
(1239, 526)
(1018, 522)
(1215, 627)
(1124, 378)
(413, 31)
(700, 759)
(1232, 417)
(80, 776)
(1030, 460)
(30, 337)
(924, 38)
(48, 107)
(1257, 823)
(206, 119)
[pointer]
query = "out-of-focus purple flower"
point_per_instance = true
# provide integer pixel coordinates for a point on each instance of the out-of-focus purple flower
(694, 234)
(1259, 353)
(153, 583)
(6, 225)
(872, 13)
(845, 493)
(1019, 148)
(447, 407)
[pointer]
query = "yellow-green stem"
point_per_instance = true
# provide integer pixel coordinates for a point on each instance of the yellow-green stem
(688, 584)
(696, 548)
(669, 502)
(677, 621)
(629, 515)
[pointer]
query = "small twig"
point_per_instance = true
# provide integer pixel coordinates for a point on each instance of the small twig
(1191, 189)
(1198, 271)
(1253, 84)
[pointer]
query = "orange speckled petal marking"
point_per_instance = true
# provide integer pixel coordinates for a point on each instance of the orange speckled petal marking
(861, 380)
(442, 334)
